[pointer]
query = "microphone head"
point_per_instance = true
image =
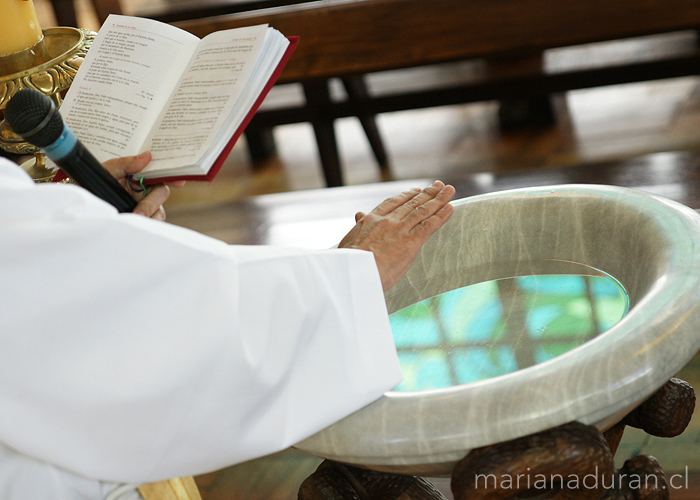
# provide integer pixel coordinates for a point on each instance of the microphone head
(34, 117)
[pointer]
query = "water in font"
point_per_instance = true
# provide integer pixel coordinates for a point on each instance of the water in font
(500, 326)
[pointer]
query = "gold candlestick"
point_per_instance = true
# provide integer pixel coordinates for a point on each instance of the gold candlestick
(45, 60)
(52, 74)
(24, 59)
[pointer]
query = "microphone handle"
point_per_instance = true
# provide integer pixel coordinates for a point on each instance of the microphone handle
(89, 173)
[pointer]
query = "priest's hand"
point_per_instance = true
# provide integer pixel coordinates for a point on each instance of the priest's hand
(150, 205)
(396, 230)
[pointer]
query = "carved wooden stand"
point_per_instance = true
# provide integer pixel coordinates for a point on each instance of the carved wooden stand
(570, 462)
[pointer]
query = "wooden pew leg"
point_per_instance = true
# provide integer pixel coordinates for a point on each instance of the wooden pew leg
(64, 11)
(261, 143)
(357, 92)
(103, 8)
(318, 102)
(536, 112)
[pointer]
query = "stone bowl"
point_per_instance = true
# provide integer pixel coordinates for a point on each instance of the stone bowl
(651, 245)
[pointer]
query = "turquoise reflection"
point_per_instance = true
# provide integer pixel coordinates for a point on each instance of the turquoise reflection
(497, 327)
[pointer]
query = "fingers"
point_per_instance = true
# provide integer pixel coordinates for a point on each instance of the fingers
(418, 209)
(391, 204)
(127, 165)
(426, 203)
(426, 227)
(433, 200)
(152, 204)
(416, 203)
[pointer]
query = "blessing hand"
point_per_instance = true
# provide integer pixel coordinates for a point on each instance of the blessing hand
(397, 229)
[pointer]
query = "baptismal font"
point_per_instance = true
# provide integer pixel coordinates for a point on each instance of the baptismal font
(44, 60)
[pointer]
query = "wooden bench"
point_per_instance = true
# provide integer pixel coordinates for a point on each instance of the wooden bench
(351, 38)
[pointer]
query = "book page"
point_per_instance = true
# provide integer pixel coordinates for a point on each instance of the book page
(204, 97)
(124, 82)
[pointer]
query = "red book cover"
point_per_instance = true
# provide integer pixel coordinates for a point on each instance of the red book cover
(293, 41)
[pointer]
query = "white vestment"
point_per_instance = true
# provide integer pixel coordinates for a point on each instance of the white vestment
(134, 351)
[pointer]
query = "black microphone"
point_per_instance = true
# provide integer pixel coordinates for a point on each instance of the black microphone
(34, 117)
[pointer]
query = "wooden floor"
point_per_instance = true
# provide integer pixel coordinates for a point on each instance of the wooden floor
(643, 134)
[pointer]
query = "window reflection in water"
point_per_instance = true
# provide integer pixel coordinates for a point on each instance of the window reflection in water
(497, 327)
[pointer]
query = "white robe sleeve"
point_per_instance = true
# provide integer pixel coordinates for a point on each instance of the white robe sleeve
(135, 351)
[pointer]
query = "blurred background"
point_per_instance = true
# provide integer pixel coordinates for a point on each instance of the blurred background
(590, 125)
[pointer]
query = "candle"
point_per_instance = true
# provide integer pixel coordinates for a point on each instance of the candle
(19, 27)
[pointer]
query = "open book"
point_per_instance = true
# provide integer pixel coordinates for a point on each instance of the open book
(146, 85)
